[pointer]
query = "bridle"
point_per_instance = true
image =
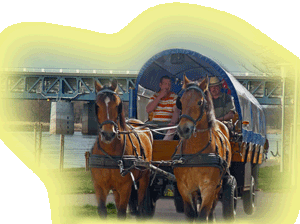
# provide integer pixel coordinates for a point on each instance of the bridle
(100, 125)
(204, 105)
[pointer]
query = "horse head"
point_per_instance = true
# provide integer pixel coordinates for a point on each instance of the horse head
(194, 105)
(108, 111)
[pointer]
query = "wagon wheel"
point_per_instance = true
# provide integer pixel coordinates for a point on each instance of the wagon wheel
(229, 198)
(255, 170)
(249, 198)
(178, 200)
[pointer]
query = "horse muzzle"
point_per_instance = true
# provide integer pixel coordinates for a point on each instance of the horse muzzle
(185, 131)
(107, 137)
(108, 131)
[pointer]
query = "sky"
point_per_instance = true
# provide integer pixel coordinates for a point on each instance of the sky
(123, 35)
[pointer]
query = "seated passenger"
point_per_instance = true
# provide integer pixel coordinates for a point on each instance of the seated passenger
(223, 103)
(162, 103)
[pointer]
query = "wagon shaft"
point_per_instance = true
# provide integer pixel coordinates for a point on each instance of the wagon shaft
(169, 176)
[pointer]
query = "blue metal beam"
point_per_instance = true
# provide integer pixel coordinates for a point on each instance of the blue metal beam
(57, 86)
(80, 87)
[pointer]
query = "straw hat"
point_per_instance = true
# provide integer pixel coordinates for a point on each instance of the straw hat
(214, 81)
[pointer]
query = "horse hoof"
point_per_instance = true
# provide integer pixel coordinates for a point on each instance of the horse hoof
(135, 213)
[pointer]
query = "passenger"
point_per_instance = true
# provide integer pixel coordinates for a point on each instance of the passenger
(223, 103)
(175, 117)
(162, 104)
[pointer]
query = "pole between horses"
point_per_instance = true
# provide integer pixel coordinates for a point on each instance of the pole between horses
(295, 129)
(62, 149)
(282, 119)
(39, 150)
(35, 141)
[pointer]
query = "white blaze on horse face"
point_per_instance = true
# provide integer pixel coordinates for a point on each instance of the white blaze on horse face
(107, 100)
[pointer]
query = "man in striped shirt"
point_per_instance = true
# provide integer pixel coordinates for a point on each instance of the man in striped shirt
(163, 103)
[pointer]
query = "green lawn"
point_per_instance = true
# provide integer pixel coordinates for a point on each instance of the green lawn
(91, 211)
(270, 179)
(74, 181)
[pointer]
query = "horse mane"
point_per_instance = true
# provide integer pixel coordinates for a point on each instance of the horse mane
(113, 98)
(122, 118)
(210, 112)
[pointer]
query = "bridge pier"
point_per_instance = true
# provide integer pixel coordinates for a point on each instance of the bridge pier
(62, 118)
(89, 121)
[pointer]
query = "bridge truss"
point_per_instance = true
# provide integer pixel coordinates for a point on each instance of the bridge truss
(78, 85)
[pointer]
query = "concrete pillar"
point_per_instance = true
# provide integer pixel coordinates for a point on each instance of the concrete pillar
(62, 118)
(89, 121)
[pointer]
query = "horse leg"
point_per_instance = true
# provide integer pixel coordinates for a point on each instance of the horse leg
(211, 216)
(133, 201)
(122, 198)
(189, 200)
(145, 206)
(208, 195)
(101, 195)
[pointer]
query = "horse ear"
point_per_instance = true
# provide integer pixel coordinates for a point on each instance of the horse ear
(98, 86)
(114, 85)
(185, 81)
(204, 84)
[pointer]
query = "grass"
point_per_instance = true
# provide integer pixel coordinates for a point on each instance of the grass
(91, 211)
(270, 179)
(74, 181)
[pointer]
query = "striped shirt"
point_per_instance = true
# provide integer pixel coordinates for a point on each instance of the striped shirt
(164, 110)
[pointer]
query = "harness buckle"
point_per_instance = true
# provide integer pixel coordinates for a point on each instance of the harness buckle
(121, 166)
(118, 135)
(194, 131)
(182, 160)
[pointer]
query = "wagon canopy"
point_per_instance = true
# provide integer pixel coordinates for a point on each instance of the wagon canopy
(177, 62)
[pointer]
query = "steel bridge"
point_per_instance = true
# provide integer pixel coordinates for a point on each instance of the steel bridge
(78, 84)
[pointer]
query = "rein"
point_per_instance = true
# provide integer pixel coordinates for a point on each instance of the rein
(196, 154)
(199, 159)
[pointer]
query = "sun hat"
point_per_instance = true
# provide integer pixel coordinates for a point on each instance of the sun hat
(214, 81)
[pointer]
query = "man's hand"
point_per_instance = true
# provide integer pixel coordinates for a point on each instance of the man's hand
(152, 105)
(163, 93)
(227, 117)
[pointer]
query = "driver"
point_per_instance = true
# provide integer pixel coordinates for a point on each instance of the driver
(223, 103)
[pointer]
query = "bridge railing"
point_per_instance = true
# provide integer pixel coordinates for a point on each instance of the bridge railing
(106, 72)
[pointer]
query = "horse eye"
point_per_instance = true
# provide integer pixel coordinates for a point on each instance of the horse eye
(200, 103)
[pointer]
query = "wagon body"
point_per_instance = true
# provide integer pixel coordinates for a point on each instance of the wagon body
(249, 136)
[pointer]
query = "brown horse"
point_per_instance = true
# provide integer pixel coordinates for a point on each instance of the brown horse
(203, 140)
(112, 147)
